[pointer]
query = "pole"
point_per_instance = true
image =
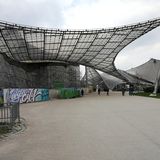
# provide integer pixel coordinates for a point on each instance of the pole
(86, 71)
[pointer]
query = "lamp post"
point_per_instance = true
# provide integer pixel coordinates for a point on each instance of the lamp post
(157, 78)
(156, 83)
(86, 70)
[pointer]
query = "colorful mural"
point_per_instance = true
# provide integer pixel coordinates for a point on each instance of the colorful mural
(25, 95)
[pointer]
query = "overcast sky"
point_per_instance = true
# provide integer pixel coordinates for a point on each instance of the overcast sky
(91, 14)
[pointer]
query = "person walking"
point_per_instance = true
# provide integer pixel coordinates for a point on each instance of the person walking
(123, 90)
(82, 92)
(131, 89)
(107, 90)
(99, 91)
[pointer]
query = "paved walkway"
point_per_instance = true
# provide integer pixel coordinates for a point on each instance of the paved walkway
(89, 128)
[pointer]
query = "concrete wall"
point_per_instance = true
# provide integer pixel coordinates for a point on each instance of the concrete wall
(40, 75)
(53, 93)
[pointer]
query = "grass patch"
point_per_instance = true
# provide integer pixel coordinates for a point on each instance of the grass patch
(4, 130)
(146, 94)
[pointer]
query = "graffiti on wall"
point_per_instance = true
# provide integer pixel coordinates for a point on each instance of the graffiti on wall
(26, 95)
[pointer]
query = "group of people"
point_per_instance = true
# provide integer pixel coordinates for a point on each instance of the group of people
(131, 90)
(123, 89)
(107, 90)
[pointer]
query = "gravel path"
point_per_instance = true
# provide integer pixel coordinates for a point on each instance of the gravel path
(89, 128)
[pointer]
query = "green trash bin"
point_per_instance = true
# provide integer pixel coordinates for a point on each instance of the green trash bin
(66, 93)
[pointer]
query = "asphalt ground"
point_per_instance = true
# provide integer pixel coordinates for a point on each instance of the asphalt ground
(92, 127)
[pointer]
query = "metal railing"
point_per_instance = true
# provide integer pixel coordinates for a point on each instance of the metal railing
(9, 114)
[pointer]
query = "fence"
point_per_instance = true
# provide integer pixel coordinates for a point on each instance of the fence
(9, 115)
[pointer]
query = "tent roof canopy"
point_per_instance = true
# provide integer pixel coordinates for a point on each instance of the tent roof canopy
(150, 70)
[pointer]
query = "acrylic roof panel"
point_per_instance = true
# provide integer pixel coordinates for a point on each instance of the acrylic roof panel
(111, 81)
(104, 80)
(149, 70)
(93, 48)
(132, 78)
(94, 78)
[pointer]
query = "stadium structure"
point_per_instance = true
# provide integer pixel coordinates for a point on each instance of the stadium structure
(38, 57)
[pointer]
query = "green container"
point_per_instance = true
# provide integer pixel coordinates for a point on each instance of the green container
(69, 93)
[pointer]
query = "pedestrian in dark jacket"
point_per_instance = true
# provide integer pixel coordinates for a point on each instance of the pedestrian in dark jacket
(107, 90)
(99, 91)
(123, 91)
(82, 92)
